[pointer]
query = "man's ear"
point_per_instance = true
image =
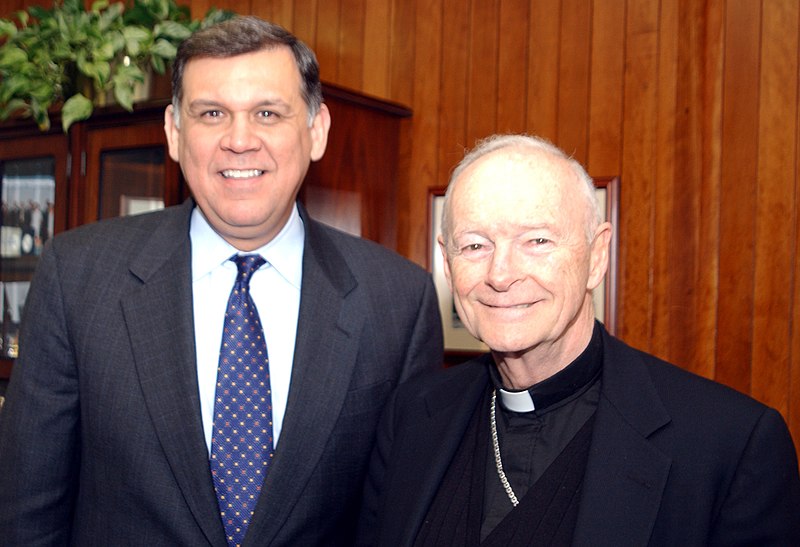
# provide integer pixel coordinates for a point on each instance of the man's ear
(598, 255)
(319, 132)
(445, 262)
(172, 132)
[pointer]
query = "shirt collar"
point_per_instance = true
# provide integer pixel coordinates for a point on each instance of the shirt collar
(284, 252)
(579, 373)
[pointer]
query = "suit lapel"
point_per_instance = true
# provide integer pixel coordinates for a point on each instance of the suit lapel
(625, 475)
(430, 448)
(326, 350)
(159, 319)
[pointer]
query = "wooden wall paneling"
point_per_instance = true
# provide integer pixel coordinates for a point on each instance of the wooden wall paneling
(738, 193)
(351, 44)
(573, 78)
(280, 12)
(543, 57)
(483, 71)
(403, 45)
(327, 34)
(690, 344)
(638, 164)
(304, 21)
(375, 69)
(793, 388)
(355, 185)
(199, 8)
(605, 101)
(775, 210)
(453, 90)
(709, 183)
(402, 81)
(606, 88)
(512, 62)
(667, 298)
(425, 128)
(10, 7)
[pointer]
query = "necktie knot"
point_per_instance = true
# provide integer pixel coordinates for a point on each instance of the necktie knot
(247, 265)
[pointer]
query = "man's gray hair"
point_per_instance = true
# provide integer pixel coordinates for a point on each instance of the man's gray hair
(242, 35)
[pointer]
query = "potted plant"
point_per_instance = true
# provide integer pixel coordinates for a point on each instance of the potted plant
(74, 59)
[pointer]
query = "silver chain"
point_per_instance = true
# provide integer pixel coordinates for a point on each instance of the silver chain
(497, 459)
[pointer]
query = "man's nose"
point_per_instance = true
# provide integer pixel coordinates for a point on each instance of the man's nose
(503, 269)
(241, 135)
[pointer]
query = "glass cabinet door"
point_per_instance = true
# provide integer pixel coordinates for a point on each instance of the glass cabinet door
(32, 179)
(127, 170)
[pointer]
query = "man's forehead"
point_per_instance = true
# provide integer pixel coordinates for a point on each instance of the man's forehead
(521, 173)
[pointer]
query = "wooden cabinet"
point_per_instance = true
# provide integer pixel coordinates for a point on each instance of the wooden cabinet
(118, 163)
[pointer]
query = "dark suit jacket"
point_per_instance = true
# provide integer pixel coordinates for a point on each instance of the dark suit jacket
(675, 460)
(101, 441)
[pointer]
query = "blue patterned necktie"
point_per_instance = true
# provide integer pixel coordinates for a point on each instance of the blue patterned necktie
(241, 442)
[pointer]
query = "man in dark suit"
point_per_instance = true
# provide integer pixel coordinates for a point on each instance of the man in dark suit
(115, 407)
(562, 434)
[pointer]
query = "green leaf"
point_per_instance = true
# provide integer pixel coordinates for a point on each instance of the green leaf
(124, 83)
(111, 17)
(124, 96)
(135, 38)
(12, 56)
(164, 49)
(158, 64)
(7, 28)
(42, 120)
(172, 29)
(75, 109)
(99, 5)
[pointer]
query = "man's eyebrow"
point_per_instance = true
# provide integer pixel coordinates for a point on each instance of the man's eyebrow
(211, 103)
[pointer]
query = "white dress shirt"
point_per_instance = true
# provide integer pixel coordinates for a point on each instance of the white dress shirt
(275, 289)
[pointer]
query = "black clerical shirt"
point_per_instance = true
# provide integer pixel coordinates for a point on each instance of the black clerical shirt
(531, 441)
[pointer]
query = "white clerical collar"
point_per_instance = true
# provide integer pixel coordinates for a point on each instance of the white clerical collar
(517, 401)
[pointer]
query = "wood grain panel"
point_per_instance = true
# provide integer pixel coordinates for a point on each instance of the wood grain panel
(606, 87)
(403, 32)
(304, 22)
(668, 304)
(793, 389)
(775, 214)
(425, 130)
(638, 162)
(573, 76)
(738, 193)
(708, 186)
(375, 68)
(512, 62)
(691, 335)
(327, 35)
(543, 46)
(453, 93)
(483, 71)
(277, 11)
(350, 56)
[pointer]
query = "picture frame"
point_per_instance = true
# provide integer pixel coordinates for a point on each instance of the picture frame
(458, 341)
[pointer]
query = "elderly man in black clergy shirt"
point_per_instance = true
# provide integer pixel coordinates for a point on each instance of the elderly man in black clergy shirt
(562, 434)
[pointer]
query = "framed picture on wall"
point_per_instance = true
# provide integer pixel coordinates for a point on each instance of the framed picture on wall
(457, 338)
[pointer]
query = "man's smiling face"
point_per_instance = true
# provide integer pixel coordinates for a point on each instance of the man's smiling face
(244, 141)
(518, 258)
